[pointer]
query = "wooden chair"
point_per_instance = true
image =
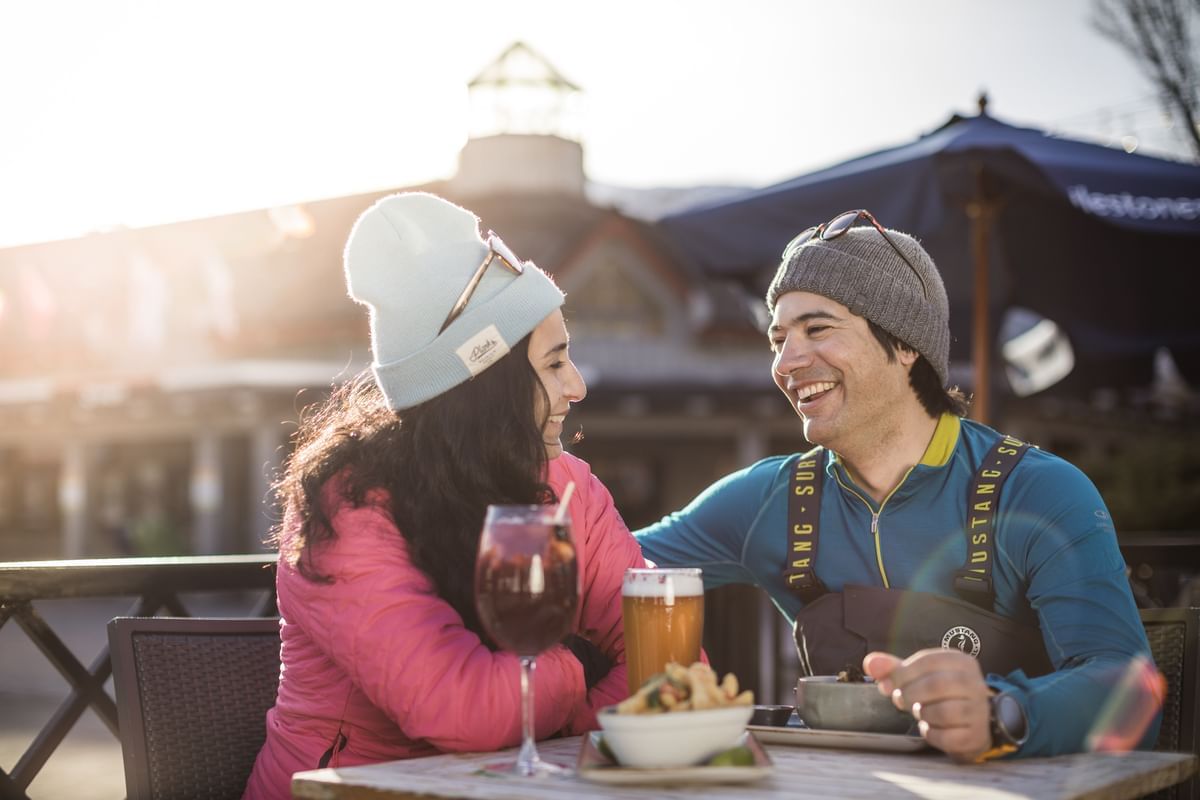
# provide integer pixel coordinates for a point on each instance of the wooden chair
(1174, 635)
(192, 698)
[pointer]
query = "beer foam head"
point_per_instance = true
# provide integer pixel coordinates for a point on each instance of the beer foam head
(668, 583)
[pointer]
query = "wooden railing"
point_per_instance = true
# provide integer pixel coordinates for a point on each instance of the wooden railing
(156, 584)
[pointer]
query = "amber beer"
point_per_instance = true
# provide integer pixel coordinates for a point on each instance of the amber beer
(663, 612)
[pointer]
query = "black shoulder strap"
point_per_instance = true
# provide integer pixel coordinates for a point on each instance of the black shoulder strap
(974, 580)
(804, 515)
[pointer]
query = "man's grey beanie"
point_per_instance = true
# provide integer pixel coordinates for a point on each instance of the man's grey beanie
(408, 259)
(860, 270)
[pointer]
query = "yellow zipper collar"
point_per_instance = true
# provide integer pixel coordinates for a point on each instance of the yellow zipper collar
(937, 454)
(941, 446)
(945, 437)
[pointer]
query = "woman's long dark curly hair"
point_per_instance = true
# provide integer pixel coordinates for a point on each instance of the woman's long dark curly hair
(441, 463)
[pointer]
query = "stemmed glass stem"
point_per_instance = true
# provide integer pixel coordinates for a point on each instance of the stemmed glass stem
(528, 760)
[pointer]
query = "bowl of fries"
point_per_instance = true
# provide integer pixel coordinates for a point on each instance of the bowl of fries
(678, 718)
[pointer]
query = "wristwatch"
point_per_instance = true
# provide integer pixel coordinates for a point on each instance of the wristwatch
(1008, 724)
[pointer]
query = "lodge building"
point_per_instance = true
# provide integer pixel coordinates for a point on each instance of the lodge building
(150, 378)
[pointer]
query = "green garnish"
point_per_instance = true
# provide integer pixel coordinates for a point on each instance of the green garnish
(603, 747)
(733, 757)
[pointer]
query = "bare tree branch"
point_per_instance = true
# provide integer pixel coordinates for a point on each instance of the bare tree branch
(1159, 34)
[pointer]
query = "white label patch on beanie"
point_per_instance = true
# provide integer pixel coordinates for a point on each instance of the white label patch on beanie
(482, 350)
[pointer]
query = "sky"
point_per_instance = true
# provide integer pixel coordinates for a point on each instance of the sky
(125, 113)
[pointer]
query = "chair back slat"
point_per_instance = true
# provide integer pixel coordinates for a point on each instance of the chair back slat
(192, 694)
(1174, 635)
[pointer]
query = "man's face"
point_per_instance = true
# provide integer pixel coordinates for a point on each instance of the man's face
(834, 372)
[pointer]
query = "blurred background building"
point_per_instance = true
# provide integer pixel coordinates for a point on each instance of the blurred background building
(150, 378)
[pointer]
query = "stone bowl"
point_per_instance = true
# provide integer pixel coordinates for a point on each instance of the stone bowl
(823, 702)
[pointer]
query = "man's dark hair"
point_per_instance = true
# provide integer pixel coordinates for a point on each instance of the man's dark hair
(923, 378)
(439, 464)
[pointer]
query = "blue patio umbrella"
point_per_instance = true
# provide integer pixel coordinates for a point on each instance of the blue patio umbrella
(1105, 243)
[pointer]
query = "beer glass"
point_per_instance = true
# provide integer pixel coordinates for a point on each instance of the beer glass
(663, 612)
(526, 592)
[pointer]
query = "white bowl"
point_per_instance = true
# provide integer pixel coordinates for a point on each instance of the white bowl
(674, 738)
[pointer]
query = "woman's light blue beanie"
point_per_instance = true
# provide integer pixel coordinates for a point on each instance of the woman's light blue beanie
(408, 258)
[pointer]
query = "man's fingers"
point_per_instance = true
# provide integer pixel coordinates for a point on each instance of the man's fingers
(933, 687)
(947, 713)
(962, 744)
(933, 662)
(879, 666)
(946, 692)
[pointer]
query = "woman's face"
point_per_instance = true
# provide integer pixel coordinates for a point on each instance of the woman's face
(563, 384)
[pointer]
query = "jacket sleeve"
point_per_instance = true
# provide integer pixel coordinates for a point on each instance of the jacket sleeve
(381, 621)
(710, 533)
(1103, 692)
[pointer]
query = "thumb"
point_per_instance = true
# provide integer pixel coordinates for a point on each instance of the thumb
(880, 665)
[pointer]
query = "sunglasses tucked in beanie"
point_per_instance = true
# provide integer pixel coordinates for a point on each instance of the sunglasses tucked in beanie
(863, 272)
(408, 259)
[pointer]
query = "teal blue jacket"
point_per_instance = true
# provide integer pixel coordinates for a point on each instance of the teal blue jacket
(1056, 566)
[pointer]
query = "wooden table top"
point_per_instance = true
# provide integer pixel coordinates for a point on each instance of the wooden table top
(798, 772)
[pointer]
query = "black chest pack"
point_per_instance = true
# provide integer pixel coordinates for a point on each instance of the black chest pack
(834, 630)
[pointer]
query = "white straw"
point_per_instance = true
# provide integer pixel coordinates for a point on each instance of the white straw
(560, 516)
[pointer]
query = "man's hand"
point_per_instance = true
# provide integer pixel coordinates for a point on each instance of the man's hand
(945, 691)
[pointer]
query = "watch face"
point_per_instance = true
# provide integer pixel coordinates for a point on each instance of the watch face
(1010, 719)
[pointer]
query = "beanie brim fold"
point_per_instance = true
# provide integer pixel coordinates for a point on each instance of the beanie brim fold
(441, 365)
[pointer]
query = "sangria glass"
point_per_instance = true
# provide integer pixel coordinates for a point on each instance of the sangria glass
(526, 592)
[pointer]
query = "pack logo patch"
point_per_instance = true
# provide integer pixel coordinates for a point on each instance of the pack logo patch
(962, 638)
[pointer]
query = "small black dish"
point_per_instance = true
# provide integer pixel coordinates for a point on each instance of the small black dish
(774, 716)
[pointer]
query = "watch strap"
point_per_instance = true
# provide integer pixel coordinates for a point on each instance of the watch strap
(995, 752)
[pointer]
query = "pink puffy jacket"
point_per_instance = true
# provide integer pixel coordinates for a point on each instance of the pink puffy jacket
(380, 654)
